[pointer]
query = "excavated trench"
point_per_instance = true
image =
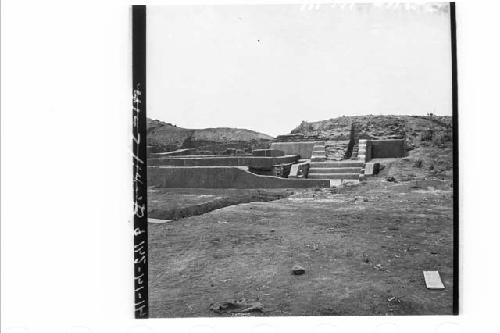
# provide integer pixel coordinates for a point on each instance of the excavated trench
(206, 203)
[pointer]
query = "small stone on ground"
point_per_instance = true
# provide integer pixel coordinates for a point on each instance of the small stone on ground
(298, 270)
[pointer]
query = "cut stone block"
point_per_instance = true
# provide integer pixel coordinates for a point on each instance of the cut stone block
(372, 169)
(369, 169)
(335, 182)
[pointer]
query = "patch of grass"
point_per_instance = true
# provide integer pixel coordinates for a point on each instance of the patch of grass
(418, 163)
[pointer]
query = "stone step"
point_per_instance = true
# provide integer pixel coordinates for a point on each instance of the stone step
(340, 164)
(334, 176)
(336, 170)
(318, 159)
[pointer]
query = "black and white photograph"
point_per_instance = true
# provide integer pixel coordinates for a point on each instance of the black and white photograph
(300, 160)
(263, 166)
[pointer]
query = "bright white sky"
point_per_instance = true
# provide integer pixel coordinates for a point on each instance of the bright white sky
(268, 67)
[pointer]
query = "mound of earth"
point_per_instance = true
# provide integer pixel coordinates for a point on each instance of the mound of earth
(417, 130)
(171, 137)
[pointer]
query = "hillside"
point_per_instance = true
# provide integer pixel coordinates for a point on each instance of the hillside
(167, 136)
(417, 130)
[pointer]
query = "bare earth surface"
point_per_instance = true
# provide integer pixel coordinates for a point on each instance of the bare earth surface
(176, 203)
(363, 248)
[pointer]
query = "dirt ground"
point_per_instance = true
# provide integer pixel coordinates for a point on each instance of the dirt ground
(363, 248)
(177, 203)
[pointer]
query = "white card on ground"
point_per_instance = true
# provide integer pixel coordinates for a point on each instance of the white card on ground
(433, 280)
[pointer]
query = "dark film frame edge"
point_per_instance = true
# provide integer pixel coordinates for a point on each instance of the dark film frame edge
(141, 306)
(454, 83)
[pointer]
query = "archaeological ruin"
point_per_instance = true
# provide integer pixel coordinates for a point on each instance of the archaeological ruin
(292, 160)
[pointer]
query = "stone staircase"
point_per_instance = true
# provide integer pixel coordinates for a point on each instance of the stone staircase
(323, 168)
(350, 170)
(355, 149)
(319, 152)
(355, 132)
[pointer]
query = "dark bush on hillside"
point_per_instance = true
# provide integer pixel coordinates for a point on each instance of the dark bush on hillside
(427, 135)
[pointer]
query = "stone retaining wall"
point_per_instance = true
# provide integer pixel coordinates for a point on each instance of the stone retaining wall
(388, 148)
(268, 152)
(260, 162)
(223, 177)
(303, 149)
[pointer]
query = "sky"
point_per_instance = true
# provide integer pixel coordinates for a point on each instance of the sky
(269, 67)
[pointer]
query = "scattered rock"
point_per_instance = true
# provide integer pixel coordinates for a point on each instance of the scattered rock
(298, 270)
(391, 179)
(393, 298)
